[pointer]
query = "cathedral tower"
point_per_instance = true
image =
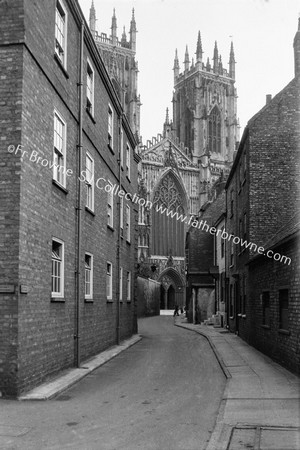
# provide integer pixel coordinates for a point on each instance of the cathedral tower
(204, 113)
(119, 59)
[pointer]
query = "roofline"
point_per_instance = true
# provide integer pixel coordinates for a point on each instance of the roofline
(238, 155)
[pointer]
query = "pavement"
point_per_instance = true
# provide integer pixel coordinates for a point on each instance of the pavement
(260, 408)
(65, 380)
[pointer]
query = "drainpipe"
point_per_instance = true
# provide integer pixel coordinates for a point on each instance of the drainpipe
(79, 206)
(119, 230)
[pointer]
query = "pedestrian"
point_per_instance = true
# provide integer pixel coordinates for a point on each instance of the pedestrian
(176, 313)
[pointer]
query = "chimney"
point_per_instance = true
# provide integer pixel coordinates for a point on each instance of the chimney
(268, 98)
(297, 50)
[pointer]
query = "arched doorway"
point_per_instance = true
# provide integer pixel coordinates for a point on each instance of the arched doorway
(171, 298)
(173, 289)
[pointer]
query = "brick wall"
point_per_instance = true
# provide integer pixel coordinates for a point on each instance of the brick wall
(34, 209)
(268, 275)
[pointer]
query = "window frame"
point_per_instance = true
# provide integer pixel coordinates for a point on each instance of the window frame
(122, 215)
(90, 183)
(122, 148)
(58, 46)
(59, 153)
(110, 127)
(91, 270)
(128, 286)
(109, 284)
(54, 294)
(128, 148)
(121, 284)
(128, 225)
(110, 206)
(90, 101)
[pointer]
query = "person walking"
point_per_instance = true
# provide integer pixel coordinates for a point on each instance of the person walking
(176, 313)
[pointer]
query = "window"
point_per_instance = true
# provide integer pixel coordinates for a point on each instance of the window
(109, 281)
(222, 245)
(89, 181)
(214, 131)
(121, 214)
(142, 214)
(231, 202)
(266, 308)
(110, 127)
(244, 295)
(59, 150)
(57, 268)
(284, 309)
(61, 32)
(110, 207)
(231, 253)
(90, 88)
(122, 149)
(121, 284)
(128, 286)
(241, 174)
(128, 161)
(88, 264)
(128, 223)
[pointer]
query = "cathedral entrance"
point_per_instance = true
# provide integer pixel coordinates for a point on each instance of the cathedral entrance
(171, 298)
(173, 289)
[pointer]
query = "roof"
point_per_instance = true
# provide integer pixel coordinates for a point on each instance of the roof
(286, 232)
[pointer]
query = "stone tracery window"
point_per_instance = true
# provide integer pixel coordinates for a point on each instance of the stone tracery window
(214, 131)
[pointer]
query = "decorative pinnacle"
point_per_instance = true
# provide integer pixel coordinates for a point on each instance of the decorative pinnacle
(167, 116)
(186, 58)
(199, 51)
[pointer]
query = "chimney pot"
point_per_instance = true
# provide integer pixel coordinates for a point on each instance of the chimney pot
(268, 98)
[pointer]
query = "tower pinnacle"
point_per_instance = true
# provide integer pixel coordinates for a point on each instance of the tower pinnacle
(216, 58)
(176, 65)
(114, 28)
(93, 19)
(231, 62)
(199, 51)
(186, 60)
(133, 32)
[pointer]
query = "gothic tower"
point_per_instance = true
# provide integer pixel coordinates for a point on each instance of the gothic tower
(204, 113)
(119, 59)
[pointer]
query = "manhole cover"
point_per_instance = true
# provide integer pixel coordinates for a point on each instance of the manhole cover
(264, 438)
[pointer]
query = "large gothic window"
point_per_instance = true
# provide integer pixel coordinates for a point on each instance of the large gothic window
(168, 229)
(214, 131)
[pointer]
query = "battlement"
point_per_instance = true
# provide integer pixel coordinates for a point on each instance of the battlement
(206, 69)
(157, 139)
(103, 38)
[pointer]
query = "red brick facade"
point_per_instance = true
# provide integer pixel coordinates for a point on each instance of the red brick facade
(38, 332)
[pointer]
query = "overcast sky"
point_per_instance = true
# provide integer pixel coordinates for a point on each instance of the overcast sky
(262, 32)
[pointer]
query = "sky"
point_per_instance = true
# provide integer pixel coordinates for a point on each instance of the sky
(262, 32)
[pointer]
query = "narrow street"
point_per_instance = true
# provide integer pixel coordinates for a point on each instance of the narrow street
(161, 394)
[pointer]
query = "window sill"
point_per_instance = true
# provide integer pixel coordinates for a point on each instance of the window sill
(244, 181)
(231, 317)
(128, 178)
(90, 211)
(231, 266)
(266, 327)
(58, 299)
(109, 300)
(90, 115)
(239, 191)
(60, 65)
(88, 300)
(110, 148)
(244, 316)
(110, 227)
(286, 332)
(239, 315)
(60, 186)
(128, 301)
(128, 242)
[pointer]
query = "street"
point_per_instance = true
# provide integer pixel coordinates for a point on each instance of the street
(163, 393)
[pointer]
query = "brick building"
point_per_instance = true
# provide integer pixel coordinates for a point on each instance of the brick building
(67, 241)
(262, 196)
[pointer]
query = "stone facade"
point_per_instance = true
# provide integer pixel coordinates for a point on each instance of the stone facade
(58, 306)
(119, 59)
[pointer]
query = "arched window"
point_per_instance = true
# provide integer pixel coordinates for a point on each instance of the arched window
(214, 131)
(168, 218)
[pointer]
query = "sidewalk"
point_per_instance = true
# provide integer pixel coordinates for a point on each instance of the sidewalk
(49, 390)
(260, 408)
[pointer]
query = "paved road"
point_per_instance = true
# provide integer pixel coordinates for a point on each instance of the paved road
(161, 394)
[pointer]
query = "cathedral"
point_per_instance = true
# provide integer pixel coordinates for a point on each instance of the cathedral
(180, 165)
